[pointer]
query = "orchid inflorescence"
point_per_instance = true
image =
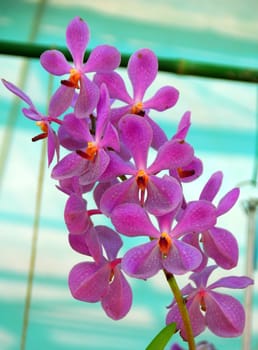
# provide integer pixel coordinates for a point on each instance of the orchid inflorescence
(107, 150)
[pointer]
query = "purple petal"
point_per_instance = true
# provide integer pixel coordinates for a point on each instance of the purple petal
(95, 169)
(120, 193)
(110, 240)
(115, 85)
(163, 195)
(225, 316)
(70, 165)
(172, 154)
(118, 300)
(198, 216)
(100, 189)
(132, 220)
(220, 245)
(87, 99)
(77, 128)
(212, 186)
(189, 172)
(194, 240)
(142, 70)
(103, 112)
(75, 215)
(18, 92)
(103, 58)
(77, 38)
(52, 145)
(143, 261)
(55, 62)
(182, 258)
(60, 101)
(234, 282)
(89, 282)
(201, 278)
(165, 98)
(159, 136)
(32, 113)
(137, 137)
(228, 201)
(78, 243)
(110, 138)
(183, 126)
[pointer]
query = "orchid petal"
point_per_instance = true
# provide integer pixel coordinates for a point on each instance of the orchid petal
(197, 217)
(55, 62)
(228, 201)
(225, 316)
(102, 58)
(142, 261)
(183, 126)
(60, 101)
(75, 214)
(222, 246)
(71, 165)
(110, 240)
(118, 299)
(89, 282)
(95, 169)
(142, 70)
(87, 99)
(159, 136)
(120, 193)
(212, 186)
(201, 278)
(18, 92)
(172, 154)
(233, 282)
(115, 85)
(132, 220)
(77, 38)
(137, 136)
(52, 145)
(78, 243)
(165, 98)
(103, 112)
(163, 195)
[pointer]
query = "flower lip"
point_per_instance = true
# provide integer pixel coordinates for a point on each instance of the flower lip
(90, 152)
(73, 80)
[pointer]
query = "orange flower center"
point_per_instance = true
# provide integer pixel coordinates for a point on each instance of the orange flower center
(142, 180)
(137, 108)
(75, 77)
(91, 151)
(165, 243)
(43, 125)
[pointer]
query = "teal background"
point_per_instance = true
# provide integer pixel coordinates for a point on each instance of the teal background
(223, 132)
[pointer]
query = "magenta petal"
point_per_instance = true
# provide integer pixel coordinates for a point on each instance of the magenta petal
(182, 258)
(70, 165)
(183, 126)
(110, 138)
(132, 220)
(172, 154)
(164, 98)
(228, 201)
(52, 145)
(95, 169)
(75, 214)
(115, 85)
(163, 195)
(18, 92)
(55, 62)
(102, 58)
(77, 38)
(87, 99)
(198, 216)
(225, 316)
(159, 136)
(78, 243)
(220, 245)
(212, 186)
(118, 300)
(234, 282)
(88, 281)
(142, 70)
(201, 278)
(60, 101)
(143, 261)
(117, 194)
(110, 240)
(137, 137)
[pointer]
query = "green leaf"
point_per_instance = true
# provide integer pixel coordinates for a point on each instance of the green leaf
(162, 338)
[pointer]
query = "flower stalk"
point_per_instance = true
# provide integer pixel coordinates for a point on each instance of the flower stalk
(182, 309)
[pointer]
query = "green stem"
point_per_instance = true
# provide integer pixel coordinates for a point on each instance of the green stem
(182, 309)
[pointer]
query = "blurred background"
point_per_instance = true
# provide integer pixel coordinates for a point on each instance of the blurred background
(212, 48)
